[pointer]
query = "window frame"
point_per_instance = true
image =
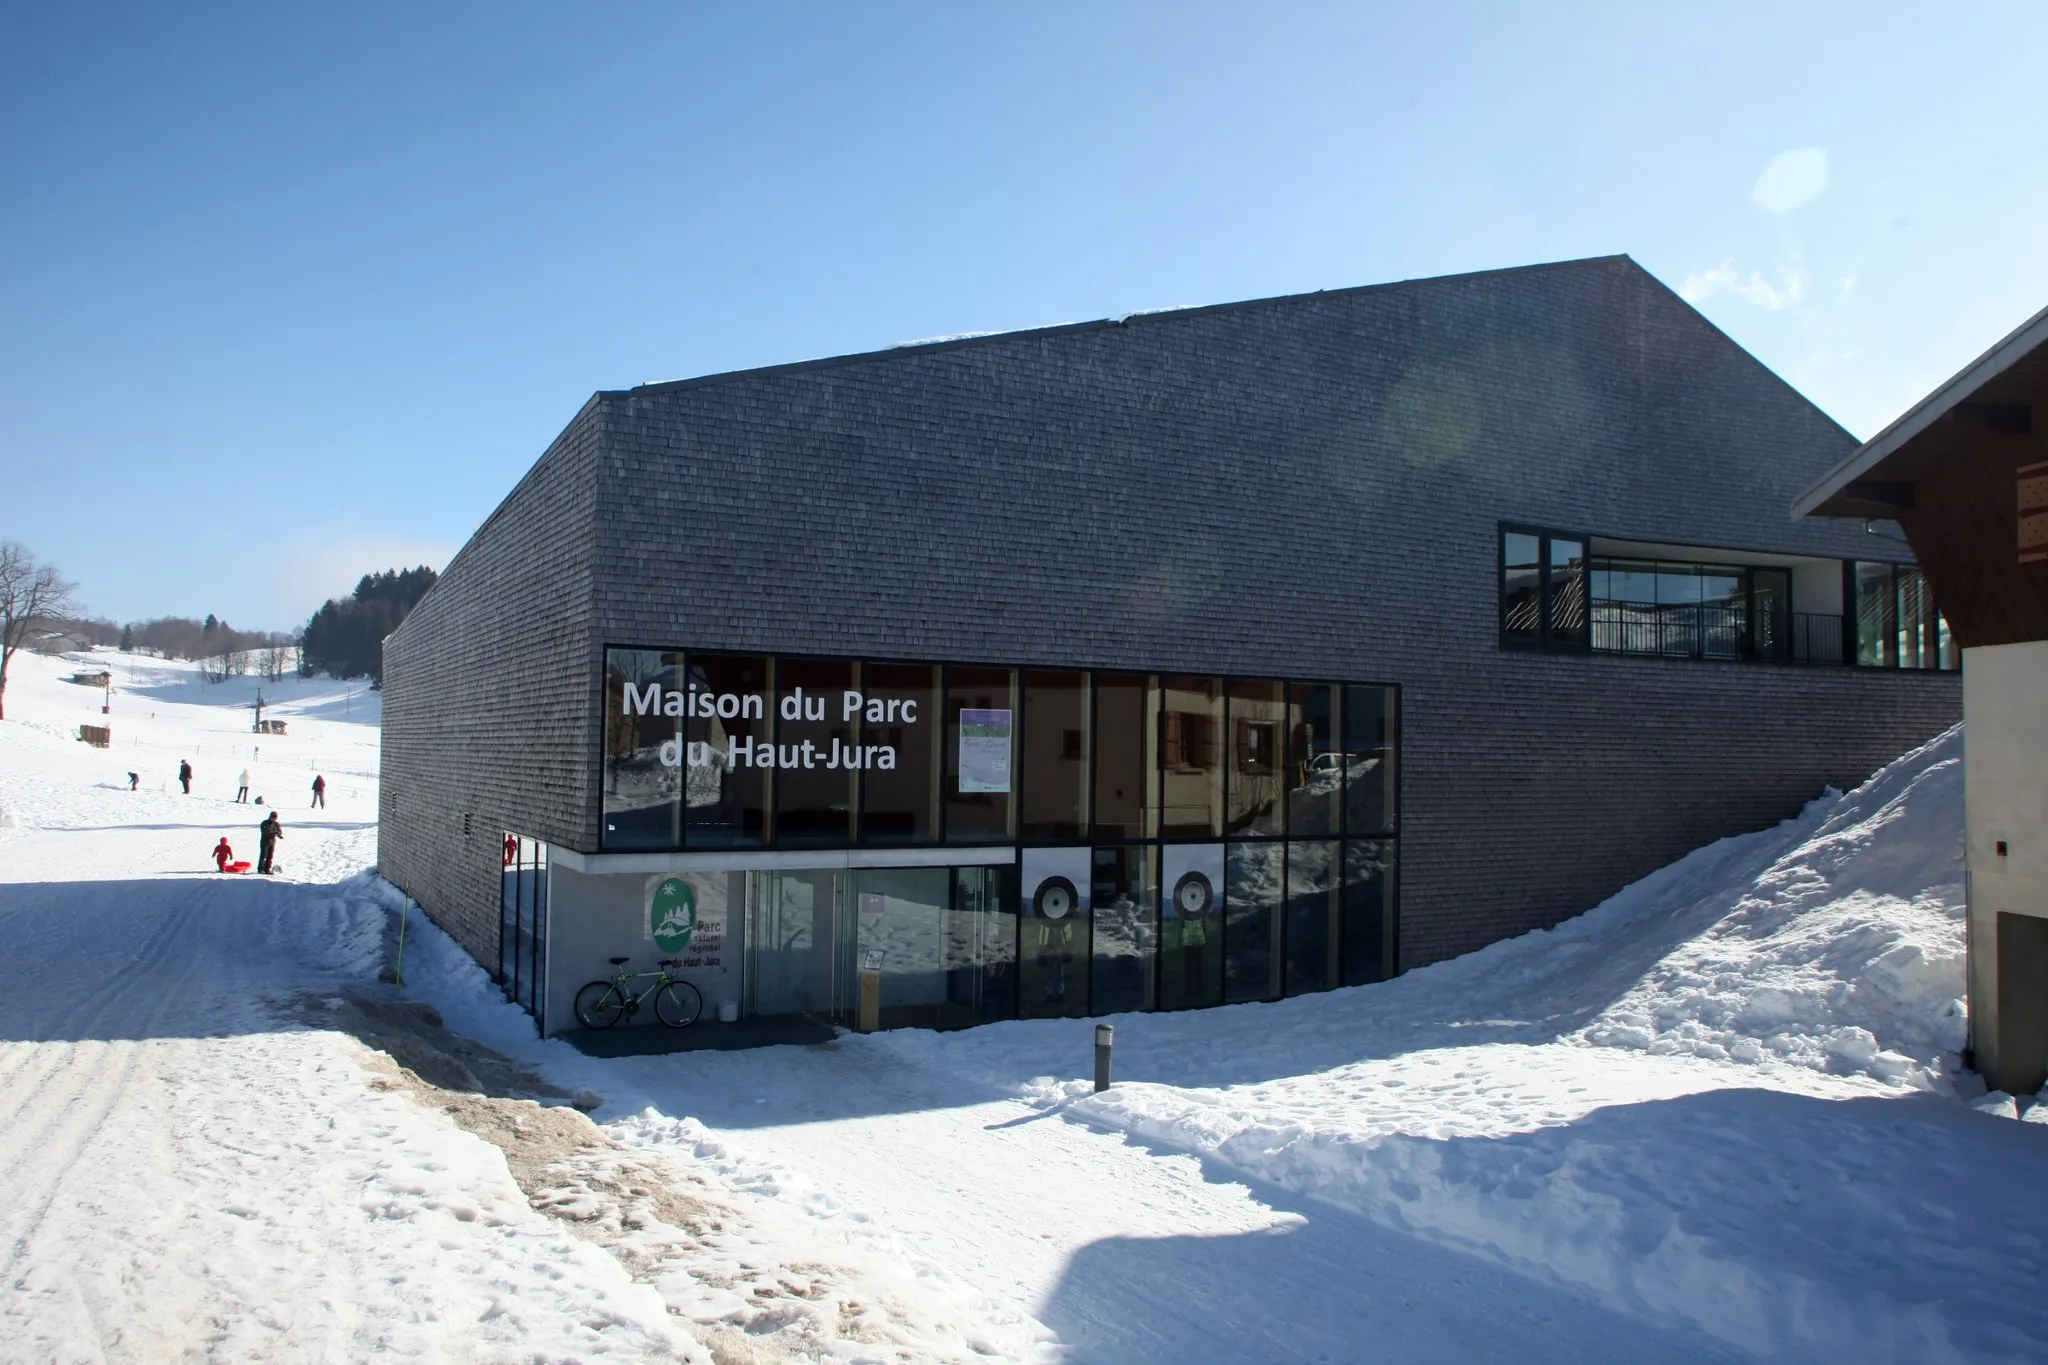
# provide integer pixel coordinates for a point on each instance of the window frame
(1545, 640)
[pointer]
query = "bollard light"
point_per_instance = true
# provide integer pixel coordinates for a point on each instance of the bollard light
(1105, 1040)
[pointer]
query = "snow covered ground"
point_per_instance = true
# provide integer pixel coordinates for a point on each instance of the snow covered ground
(1717, 1118)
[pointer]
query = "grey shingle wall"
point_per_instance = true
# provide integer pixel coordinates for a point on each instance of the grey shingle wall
(1308, 487)
(487, 691)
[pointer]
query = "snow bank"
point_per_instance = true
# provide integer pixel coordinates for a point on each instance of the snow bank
(1842, 953)
(1723, 1100)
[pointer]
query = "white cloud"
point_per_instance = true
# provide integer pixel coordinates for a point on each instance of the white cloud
(1791, 179)
(1788, 291)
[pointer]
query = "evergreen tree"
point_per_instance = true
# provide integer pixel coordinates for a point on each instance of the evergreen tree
(345, 638)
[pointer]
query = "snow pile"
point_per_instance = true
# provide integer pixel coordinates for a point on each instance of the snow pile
(1843, 952)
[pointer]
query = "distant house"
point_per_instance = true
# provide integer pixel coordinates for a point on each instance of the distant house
(1965, 475)
(58, 642)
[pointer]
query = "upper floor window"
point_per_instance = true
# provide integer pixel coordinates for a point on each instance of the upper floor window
(1542, 589)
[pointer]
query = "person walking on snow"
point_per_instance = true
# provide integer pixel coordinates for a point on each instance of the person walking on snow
(267, 833)
(319, 791)
(185, 775)
(134, 781)
(243, 794)
(222, 854)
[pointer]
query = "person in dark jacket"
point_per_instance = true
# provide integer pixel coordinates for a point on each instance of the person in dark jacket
(319, 791)
(267, 834)
(185, 775)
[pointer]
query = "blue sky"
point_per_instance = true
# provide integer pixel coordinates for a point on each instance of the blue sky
(292, 295)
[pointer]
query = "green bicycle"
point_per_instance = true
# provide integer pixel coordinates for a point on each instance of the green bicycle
(603, 1003)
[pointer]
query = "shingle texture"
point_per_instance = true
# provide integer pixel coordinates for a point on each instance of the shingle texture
(1304, 487)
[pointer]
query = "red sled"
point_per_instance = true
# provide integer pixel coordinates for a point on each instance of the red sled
(236, 867)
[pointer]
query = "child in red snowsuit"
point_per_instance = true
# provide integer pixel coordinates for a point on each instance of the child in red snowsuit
(222, 853)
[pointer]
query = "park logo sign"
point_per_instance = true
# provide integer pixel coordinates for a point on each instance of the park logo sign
(671, 913)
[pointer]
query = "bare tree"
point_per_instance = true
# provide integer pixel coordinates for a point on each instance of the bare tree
(30, 595)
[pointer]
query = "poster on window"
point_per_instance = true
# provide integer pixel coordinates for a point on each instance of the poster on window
(984, 751)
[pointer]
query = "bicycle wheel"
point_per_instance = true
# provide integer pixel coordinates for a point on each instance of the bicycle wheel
(677, 1004)
(599, 1004)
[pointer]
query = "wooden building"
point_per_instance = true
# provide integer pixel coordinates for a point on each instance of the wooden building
(1964, 474)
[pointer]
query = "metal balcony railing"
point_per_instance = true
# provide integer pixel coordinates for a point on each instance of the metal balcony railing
(1711, 630)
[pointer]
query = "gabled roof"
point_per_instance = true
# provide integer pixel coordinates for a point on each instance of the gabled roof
(1836, 495)
(1137, 318)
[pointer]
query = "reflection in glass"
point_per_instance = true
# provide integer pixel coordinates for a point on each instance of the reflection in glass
(1256, 774)
(1944, 644)
(1126, 764)
(1053, 925)
(1191, 768)
(900, 805)
(1313, 909)
(1369, 755)
(1916, 647)
(1874, 610)
(726, 790)
(1315, 773)
(1521, 587)
(981, 710)
(814, 744)
(1366, 943)
(1251, 929)
(1055, 764)
(642, 763)
(1770, 614)
(1126, 913)
(1190, 926)
(1567, 591)
(911, 936)
(799, 953)
(984, 980)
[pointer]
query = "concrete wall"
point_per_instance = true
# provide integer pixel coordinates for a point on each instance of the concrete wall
(2005, 781)
(1307, 487)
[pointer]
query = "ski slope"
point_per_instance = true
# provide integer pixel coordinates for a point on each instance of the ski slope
(1718, 1118)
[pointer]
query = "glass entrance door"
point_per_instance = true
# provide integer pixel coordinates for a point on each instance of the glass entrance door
(798, 959)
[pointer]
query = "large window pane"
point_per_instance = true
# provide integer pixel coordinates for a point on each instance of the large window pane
(980, 744)
(1366, 940)
(1918, 641)
(1054, 966)
(1190, 758)
(984, 977)
(1521, 586)
(1055, 764)
(1315, 772)
(729, 754)
(1126, 907)
(1257, 771)
(1190, 926)
(643, 774)
(1370, 751)
(900, 709)
(905, 922)
(1314, 874)
(1567, 591)
(1126, 758)
(1874, 612)
(816, 754)
(1252, 878)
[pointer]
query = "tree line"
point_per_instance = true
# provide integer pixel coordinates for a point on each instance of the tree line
(345, 638)
(39, 608)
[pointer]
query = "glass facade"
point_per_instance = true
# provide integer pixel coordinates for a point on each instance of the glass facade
(523, 923)
(1173, 841)
(1555, 596)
